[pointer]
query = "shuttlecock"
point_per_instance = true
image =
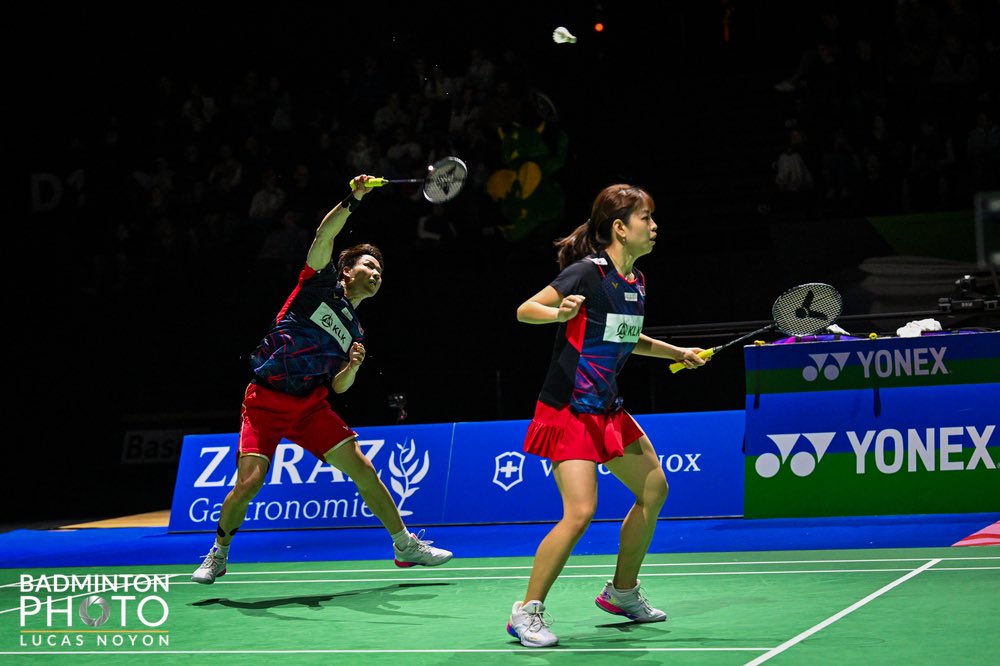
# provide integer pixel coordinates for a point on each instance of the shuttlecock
(563, 36)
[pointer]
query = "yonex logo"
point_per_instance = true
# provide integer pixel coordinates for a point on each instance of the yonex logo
(919, 361)
(831, 371)
(803, 462)
(916, 362)
(892, 450)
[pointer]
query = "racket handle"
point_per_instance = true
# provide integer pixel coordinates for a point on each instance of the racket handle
(705, 354)
(372, 182)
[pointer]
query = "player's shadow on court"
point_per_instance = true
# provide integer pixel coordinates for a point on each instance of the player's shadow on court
(634, 628)
(626, 626)
(660, 634)
(385, 600)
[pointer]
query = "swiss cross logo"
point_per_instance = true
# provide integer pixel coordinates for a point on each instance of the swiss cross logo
(507, 469)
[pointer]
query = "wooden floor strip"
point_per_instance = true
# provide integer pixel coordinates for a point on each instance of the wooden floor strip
(151, 519)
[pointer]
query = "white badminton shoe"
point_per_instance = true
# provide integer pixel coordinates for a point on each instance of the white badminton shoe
(213, 567)
(528, 625)
(420, 552)
(632, 604)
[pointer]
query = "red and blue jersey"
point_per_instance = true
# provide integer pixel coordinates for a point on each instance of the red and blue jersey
(310, 337)
(592, 348)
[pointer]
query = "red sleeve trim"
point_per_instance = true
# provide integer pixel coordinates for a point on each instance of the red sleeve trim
(307, 272)
(576, 328)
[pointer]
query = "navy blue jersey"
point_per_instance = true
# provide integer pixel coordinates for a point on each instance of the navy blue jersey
(591, 349)
(311, 336)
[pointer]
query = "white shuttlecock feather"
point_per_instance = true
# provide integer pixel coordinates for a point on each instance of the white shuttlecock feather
(563, 36)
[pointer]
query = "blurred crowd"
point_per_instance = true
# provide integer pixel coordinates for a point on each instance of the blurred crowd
(193, 190)
(240, 172)
(899, 115)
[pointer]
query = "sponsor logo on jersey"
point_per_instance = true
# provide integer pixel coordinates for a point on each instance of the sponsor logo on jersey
(622, 328)
(326, 318)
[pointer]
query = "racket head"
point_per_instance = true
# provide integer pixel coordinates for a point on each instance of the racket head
(543, 106)
(445, 179)
(807, 308)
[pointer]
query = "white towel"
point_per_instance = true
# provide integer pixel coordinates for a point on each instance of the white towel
(916, 328)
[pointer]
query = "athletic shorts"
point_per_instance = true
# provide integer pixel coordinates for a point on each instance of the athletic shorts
(309, 421)
(561, 434)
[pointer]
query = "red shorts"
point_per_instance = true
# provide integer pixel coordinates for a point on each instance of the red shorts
(309, 421)
(561, 434)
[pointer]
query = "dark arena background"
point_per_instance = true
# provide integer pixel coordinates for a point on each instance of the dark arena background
(169, 164)
(784, 142)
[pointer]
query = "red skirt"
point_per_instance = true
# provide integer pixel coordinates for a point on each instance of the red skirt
(561, 434)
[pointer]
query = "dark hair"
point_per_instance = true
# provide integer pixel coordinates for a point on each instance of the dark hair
(349, 257)
(613, 202)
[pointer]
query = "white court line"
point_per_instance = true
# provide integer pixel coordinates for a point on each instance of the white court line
(833, 618)
(400, 580)
(686, 574)
(610, 563)
(518, 651)
(966, 568)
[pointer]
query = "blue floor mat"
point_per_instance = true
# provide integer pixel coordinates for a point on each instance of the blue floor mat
(30, 548)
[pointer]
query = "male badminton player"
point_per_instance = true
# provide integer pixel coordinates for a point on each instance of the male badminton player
(314, 344)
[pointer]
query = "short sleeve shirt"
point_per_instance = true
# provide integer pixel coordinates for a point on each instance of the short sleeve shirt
(310, 337)
(592, 348)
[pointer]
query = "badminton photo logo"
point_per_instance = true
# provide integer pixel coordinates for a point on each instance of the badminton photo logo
(507, 469)
(94, 611)
(103, 608)
(803, 462)
(820, 366)
(408, 472)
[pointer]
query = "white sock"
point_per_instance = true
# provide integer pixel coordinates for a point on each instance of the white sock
(220, 550)
(401, 538)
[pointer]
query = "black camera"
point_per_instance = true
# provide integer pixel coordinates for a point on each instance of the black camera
(967, 298)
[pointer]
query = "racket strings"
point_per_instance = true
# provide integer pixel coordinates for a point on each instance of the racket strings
(445, 180)
(807, 309)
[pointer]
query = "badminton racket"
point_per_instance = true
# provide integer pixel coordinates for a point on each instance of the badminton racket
(801, 310)
(543, 105)
(443, 181)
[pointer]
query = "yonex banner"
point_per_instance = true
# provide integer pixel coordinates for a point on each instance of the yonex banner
(868, 427)
(457, 473)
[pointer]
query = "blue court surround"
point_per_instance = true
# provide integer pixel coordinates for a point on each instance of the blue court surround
(34, 548)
